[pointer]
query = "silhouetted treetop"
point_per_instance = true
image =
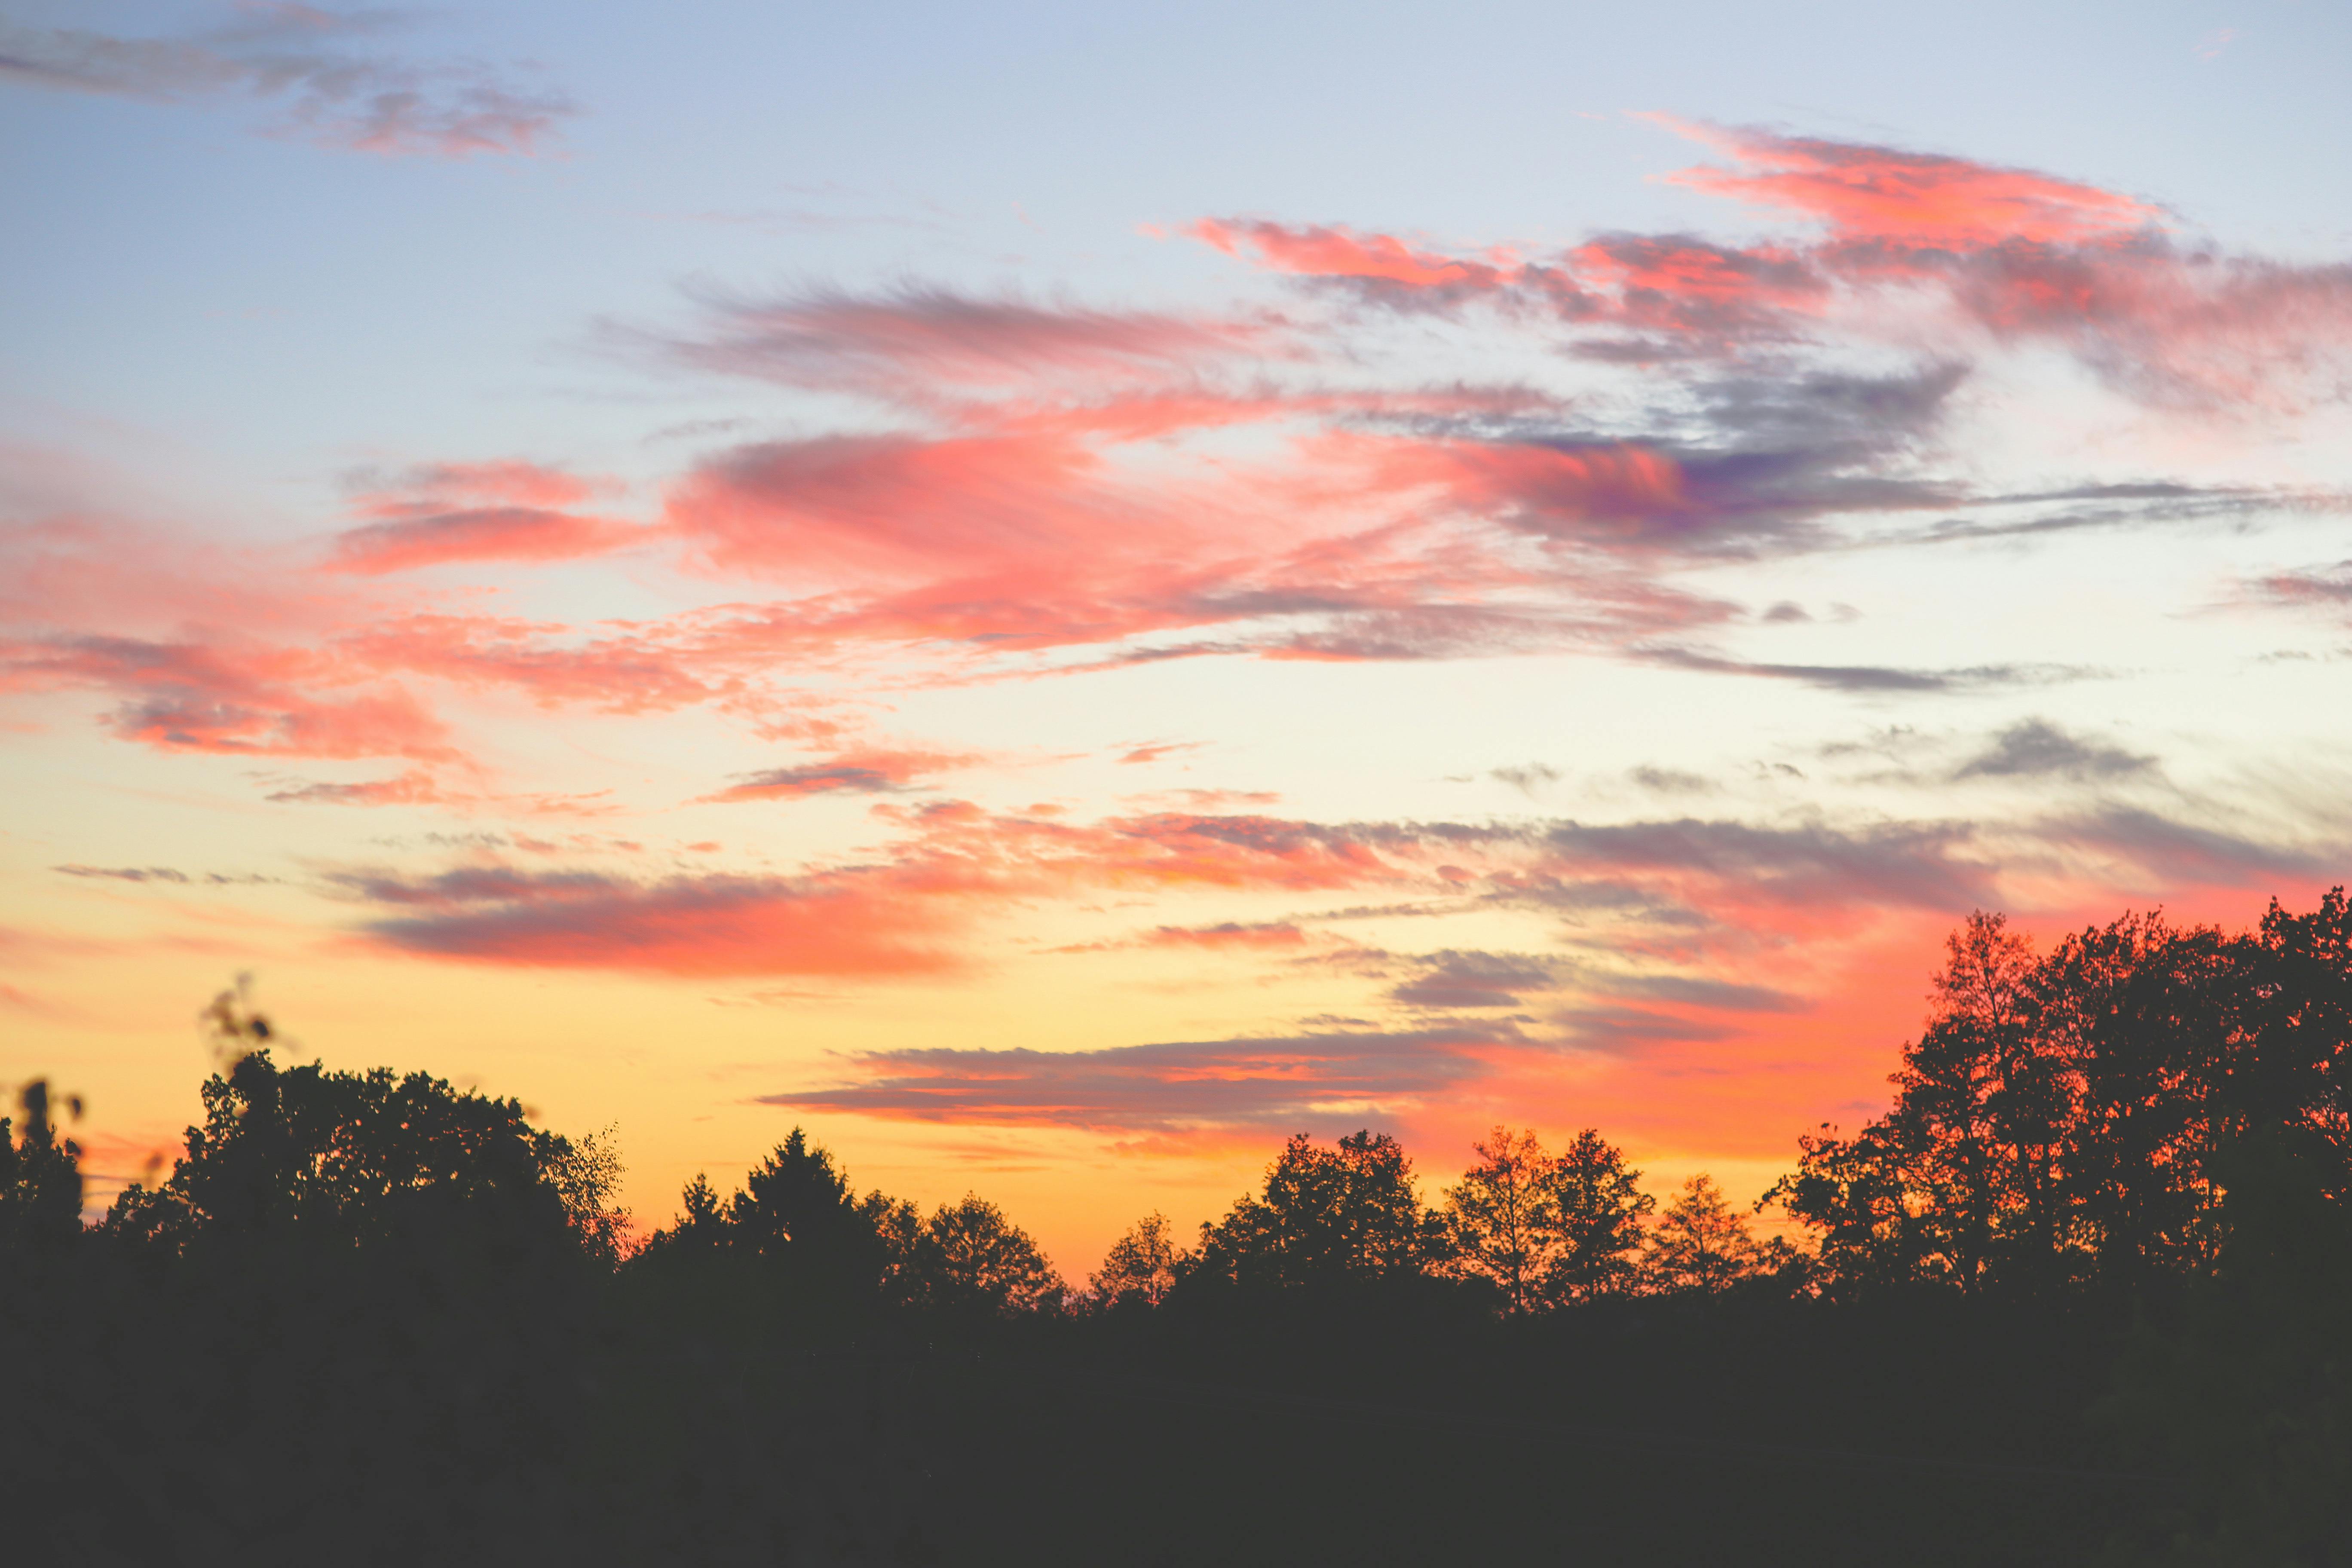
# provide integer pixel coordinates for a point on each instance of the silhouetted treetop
(1328, 1217)
(2061, 1118)
(1547, 1229)
(1701, 1244)
(41, 1175)
(971, 1259)
(361, 1157)
(1141, 1266)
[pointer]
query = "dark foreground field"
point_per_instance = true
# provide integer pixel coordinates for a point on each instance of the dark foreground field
(354, 1413)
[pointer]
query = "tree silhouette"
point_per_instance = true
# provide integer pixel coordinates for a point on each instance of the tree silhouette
(2116, 1170)
(1500, 1218)
(1140, 1268)
(796, 1205)
(364, 1156)
(2059, 1120)
(1328, 1217)
(1700, 1244)
(41, 1175)
(1596, 1207)
(1547, 1229)
(971, 1260)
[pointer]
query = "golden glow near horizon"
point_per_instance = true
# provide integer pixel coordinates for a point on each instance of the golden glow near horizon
(1054, 713)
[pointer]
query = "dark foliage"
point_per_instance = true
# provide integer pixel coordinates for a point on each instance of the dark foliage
(2079, 1296)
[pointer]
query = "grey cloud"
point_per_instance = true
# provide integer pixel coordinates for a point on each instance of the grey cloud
(1623, 1031)
(1670, 780)
(825, 337)
(1906, 864)
(1868, 677)
(1323, 1078)
(335, 95)
(125, 873)
(2178, 852)
(1526, 778)
(1458, 978)
(1695, 991)
(2036, 748)
(164, 874)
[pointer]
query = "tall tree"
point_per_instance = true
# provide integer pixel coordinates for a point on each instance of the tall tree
(1328, 1217)
(1966, 1099)
(2293, 1070)
(1548, 1229)
(363, 1157)
(971, 1258)
(1959, 1181)
(2061, 1120)
(1595, 1206)
(1701, 1242)
(1140, 1268)
(1500, 1218)
(2136, 1020)
(41, 1175)
(796, 1205)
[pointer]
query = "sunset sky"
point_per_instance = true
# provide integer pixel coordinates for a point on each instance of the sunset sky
(1057, 592)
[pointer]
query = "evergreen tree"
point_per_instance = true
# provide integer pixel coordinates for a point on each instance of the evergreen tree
(1700, 1244)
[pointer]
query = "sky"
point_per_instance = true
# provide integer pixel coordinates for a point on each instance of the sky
(1058, 592)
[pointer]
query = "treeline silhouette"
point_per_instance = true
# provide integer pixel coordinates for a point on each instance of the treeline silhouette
(2084, 1294)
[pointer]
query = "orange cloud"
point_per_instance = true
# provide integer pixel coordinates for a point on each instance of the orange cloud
(1229, 934)
(852, 772)
(701, 926)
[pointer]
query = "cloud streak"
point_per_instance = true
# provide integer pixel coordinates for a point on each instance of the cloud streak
(336, 91)
(1316, 1079)
(462, 512)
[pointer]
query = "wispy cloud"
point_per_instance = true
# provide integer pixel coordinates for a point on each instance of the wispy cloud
(452, 512)
(868, 771)
(704, 926)
(2016, 254)
(337, 84)
(1313, 1078)
(2035, 748)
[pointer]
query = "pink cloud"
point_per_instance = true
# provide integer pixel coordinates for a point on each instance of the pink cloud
(476, 511)
(625, 670)
(2021, 254)
(1677, 283)
(1872, 193)
(1623, 491)
(234, 699)
(901, 505)
(1321, 251)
